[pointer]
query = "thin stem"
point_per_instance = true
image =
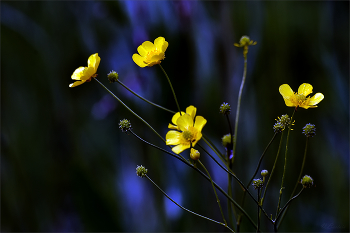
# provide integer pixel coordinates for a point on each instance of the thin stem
(212, 146)
(216, 195)
(172, 89)
(302, 168)
(256, 171)
(286, 205)
(220, 223)
(130, 109)
(260, 160)
(298, 180)
(238, 108)
(156, 105)
(225, 169)
(285, 164)
(258, 221)
(229, 149)
(273, 168)
(179, 157)
(200, 172)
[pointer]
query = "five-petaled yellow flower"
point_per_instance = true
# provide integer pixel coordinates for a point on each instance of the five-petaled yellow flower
(300, 99)
(84, 74)
(150, 54)
(189, 130)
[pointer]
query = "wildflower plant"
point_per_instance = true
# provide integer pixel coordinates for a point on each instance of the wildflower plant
(185, 137)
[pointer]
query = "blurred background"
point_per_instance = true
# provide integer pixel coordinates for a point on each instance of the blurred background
(65, 165)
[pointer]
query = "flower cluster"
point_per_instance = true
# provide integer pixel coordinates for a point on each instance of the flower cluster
(124, 125)
(309, 130)
(141, 171)
(225, 108)
(307, 181)
(282, 122)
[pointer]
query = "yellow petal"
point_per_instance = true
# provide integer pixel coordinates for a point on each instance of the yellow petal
(148, 46)
(170, 126)
(176, 116)
(173, 137)
(83, 73)
(198, 137)
(179, 148)
(161, 44)
(94, 61)
(142, 51)
(191, 110)
(199, 123)
(78, 73)
(316, 99)
(305, 89)
(286, 91)
(139, 60)
(184, 121)
(77, 83)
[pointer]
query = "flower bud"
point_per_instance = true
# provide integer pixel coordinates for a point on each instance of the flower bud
(141, 171)
(124, 125)
(284, 120)
(226, 140)
(258, 183)
(112, 76)
(195, 154)
(309, 130)
(278, 127)
(225, 108)
(307, 181)
(264, 173)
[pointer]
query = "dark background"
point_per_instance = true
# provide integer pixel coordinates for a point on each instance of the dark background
(65, 165)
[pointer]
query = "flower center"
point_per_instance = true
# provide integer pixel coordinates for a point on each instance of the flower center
(151, 54)
(188, 135)
(301, 99)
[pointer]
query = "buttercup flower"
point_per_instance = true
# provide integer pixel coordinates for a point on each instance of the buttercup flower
(190, 110)
(84, 74)
(300, 99)
(190, 132)
(150, 54)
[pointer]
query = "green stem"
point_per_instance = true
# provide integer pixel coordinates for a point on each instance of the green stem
(302, 168)
(229, 149)
(212, 146)
(172, 89)
(273, 168)
(238, 108)
(258, 221)
(298, 180)
(200, 172)
(156, 105)
(220, 223)
(229, 172)
(130, 109)
(216, 195)
(285, 164)
(256, 171)
(282, 210)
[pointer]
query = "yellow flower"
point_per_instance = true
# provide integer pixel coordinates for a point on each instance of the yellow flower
(84, 74)
(300, 99)
(190, 132)
(190, 110)
(150, 54)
